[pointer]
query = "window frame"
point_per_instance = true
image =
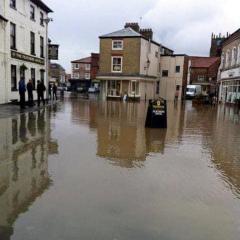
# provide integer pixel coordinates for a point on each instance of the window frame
(87, 66)
(163, 73)
(41, 19)
(13, 4)
(117, 48)
(13, 36)
(32, 44)
(87, 76)
(176, 69)
(32, 12)
(15, 77)
(41, 47)
(112, 68)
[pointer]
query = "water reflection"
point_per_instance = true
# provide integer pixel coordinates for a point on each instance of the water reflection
(25, 145)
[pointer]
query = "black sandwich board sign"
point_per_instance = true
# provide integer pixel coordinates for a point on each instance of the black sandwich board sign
(157, 114)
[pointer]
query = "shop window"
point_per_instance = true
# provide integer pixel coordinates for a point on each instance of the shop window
(33, 77)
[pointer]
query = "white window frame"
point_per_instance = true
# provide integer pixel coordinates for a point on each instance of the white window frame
(118, 48)
(76, 65)
(76, 75)
(87, 67)
(121, 64)
(87, 76)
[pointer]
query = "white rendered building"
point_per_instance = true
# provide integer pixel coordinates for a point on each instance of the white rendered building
(23, 49)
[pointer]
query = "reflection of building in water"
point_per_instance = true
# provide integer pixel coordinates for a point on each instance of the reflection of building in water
(122, 136)
(24, 146)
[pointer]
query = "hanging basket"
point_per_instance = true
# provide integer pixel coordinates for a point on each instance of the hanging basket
(23, 67)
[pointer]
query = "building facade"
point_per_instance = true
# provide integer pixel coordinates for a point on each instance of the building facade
(129, 63)
(23, 34)
(57, 74)
(84, 71)
(229, 71)
(173, 81)
(203, 71)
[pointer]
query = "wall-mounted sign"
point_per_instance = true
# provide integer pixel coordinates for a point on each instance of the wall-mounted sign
(27, 58)
(53, 51)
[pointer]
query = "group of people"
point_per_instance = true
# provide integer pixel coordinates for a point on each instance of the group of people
(41, 88)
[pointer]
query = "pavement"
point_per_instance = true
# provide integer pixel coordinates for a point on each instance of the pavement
(11, 110)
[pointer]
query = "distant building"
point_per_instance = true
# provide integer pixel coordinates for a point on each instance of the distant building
(130, 63)
(229, 71)
(57, 74)
(216, 45)
(22, 45)
(203, 71)
(173, 81)
(84, 72)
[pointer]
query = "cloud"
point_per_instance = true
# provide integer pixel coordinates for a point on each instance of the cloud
(185, 26)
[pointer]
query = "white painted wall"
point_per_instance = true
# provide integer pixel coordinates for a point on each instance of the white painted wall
(24, 25)
(168, 84)
(148, 51)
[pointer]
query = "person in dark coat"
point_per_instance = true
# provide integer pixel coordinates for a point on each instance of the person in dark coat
(40, 92)
(22, 90)
(54, 92)
(30, 93)
(50, 91)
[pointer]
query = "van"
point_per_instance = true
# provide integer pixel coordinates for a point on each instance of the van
(193, 91)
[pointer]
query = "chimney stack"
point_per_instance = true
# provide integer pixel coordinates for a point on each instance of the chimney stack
(133, 25)
(147, 33)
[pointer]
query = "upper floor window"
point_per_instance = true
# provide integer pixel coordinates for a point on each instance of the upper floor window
(13, 4)
(234, 56)
(41, 19)
(32, 43)
(222, 60)
(32, 12)
(12, 36)
(228, 58)
(238, 59)
(76, 66)
(116, 64)
(41, 47)
(87, 67)
(178, 69)
(165, 73)
(117, 44)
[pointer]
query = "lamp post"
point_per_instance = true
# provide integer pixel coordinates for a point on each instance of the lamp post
(47, 21)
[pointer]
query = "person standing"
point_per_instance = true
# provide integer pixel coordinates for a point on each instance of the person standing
(40, 92)
(50, 91)
(22, 90)
(54, 92)
(30, 93)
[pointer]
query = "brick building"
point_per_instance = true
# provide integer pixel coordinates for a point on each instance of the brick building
(203, 71)
(57, 74)
(229, 71)
(129, 63)
(84, 72)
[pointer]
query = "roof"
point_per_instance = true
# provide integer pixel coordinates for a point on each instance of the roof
(126, 32)
(42, 5)
(56, 66)
(203, 62)
(83, 60)
(231, 38)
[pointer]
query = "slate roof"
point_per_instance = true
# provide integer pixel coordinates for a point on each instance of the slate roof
(83, 60)
(203, 62)
(126, 32)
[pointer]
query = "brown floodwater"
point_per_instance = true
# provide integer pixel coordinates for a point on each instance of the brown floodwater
(90, 170)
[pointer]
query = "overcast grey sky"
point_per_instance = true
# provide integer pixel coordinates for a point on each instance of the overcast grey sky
(184, 26)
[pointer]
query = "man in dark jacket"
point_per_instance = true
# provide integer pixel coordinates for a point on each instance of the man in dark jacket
(22, 90)
(40, 92)
(54, 92)
(30, 93)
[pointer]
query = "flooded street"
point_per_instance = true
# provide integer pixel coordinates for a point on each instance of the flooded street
(90, 170)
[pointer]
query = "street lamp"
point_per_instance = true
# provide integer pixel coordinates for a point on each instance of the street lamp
(47, 21)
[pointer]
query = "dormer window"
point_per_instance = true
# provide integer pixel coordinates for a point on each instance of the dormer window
(117, 45)
(32, 12)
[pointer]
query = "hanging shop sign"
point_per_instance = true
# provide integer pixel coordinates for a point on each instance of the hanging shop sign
(53, 51)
